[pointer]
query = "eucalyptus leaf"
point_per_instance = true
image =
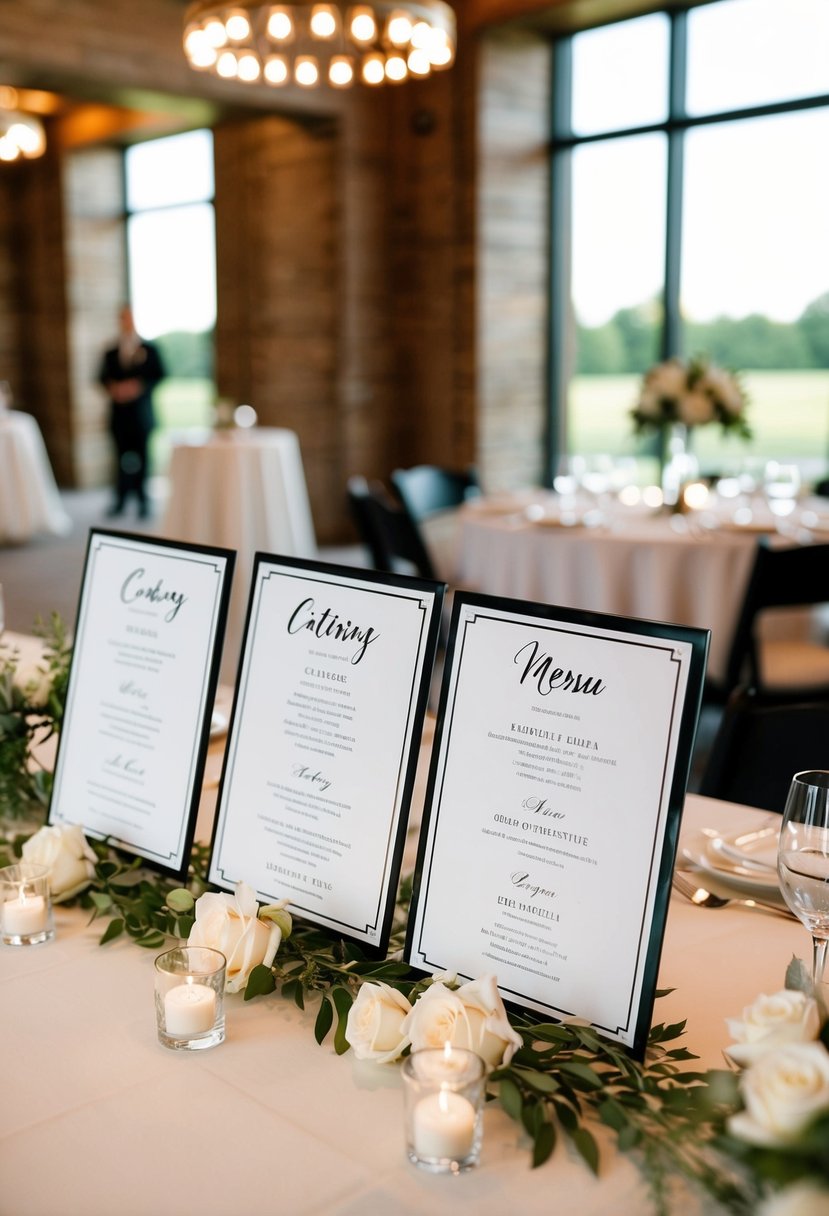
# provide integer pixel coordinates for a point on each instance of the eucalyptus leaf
(114, 929)
(799, 977)
(588, 1148)
(325, 1020)
(544, 1143)
(342, 1002)
(510, 1098)
(260, 982)
(180, 900)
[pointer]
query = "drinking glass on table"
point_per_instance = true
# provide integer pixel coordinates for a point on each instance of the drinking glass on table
(781, 483)
(803, 859)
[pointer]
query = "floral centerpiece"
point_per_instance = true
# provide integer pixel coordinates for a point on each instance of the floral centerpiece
(692, 392)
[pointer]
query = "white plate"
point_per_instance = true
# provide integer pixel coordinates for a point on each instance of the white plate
(758, 881)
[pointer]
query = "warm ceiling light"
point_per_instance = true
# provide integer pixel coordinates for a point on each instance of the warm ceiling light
(276, 69)
(323, 23)
(320, 40)
(306, 71)
(21, 135)
(341, 71)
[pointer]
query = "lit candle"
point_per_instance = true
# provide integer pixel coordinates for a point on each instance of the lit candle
(25, 915)
(443, 1125)
(189, 1009)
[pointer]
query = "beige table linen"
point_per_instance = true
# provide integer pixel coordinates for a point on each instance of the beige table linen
(29, 500)
(96, 1117)
(242, 490)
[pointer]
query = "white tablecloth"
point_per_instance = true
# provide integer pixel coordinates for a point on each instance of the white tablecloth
(29, 499)
(96, 1117)
(243, 490)
(660, 568)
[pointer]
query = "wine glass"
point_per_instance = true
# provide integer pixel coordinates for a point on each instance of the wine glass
(803, 859)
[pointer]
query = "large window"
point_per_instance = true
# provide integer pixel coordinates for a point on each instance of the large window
(690, 183)
(172, 272)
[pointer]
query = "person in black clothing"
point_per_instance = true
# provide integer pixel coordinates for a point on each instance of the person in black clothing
(129, 373)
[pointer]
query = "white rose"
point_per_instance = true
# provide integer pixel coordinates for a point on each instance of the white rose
(375, 1023)
(473, 1017)
(695, 408)
(800, 1199)
(786, 1017)
(65, 850)
(783, 1091)
(229, 923)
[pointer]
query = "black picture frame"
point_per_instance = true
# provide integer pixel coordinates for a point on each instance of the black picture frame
(371, 582)
(664, 844)
(177, 860)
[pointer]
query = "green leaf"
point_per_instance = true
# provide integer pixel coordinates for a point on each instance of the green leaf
(299, 996)
(325, 1020)
(101, 900)
(114, 929)
(151, 940)
(587, 1147)
(342, 1002)
(799, 977)
(583, 1073)
(613, 1115)
(181, 901)
(541, 1081)
(260, 982)
(628, 1138)
(277, 914)
(509, 1095)
(544, 1143)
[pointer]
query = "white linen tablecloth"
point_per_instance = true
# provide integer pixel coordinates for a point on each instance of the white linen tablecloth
(242, 490)
(659, 568)
(96, 1117)
(29, 499)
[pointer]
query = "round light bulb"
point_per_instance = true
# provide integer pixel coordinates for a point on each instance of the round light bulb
(421, 34)
(199, 50)
(8, 150)
(27, 138)
(363, 26)
(340, 71)
(306, 71)
(374, 69)
(276, 69)
(323, 22)
(237, 27)
(215, 32)
(248, 68)
(280, 25)
(399, 29)
(226, 65)
(396, 69)
(419, 63)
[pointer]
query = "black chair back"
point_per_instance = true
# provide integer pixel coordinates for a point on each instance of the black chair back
(760, 744)
(780, 578)
(425, 489)
(387, 530)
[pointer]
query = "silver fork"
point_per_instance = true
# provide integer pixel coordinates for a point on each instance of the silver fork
(689, 887)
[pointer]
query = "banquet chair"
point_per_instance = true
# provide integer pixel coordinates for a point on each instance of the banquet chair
(760, 744)
(425, 489)
(781, 578)
(387, 530)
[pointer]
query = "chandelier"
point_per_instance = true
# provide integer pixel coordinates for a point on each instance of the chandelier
(21, 135)
(311, 43)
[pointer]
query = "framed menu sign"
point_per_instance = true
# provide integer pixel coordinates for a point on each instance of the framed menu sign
(555, 794)
(143, 677)
(323, 741)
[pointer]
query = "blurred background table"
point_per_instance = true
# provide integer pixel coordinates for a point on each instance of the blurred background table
(687, 569)
(29, 499)
(242, 490)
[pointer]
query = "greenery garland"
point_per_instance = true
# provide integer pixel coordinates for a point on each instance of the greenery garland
(564, 1079)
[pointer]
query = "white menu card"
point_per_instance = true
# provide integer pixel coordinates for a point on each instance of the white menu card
(323, 741)
(555, 793)
(143, 678)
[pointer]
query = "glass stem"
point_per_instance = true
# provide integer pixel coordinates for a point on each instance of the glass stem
(819, 945)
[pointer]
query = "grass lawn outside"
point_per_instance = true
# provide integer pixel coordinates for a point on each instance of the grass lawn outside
(180, 405)
(788, 413)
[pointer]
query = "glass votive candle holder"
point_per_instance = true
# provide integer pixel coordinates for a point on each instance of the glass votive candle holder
(189, 997)
(26, 907)
(444, 1095)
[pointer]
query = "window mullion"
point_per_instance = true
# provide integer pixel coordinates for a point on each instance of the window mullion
(672, 320)
(559, 259)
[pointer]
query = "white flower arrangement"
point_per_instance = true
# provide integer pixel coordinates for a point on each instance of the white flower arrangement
(693, 392)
